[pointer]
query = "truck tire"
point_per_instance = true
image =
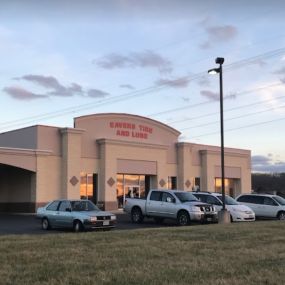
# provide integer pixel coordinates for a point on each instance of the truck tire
(137, 216)
(183, 218)
(281, 216)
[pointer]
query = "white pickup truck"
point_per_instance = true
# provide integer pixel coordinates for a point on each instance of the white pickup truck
(182, 206)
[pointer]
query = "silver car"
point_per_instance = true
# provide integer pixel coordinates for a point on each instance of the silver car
(264, 205)
(78, 215)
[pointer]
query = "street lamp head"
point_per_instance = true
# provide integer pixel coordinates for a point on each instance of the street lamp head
(214, 71)
(220, 60)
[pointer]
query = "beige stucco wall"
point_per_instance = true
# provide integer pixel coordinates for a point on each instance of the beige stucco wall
(106, 126)
(112, 150)
(95, 146)
(49, 179)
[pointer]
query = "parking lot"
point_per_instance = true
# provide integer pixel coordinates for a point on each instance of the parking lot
(28, 224)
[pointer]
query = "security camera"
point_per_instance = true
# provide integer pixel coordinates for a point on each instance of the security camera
(220, 60)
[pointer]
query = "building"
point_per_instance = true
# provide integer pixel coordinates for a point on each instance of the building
(107, 157)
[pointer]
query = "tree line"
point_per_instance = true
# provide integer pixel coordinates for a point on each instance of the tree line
(268, 183)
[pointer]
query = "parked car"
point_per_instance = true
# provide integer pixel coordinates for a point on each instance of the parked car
(264, 205)
(238, 212)
(78, 215)
(174, 204)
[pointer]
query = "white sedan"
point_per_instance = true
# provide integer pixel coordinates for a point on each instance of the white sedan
(238, 212)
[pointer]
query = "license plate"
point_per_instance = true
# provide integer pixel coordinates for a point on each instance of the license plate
(209, 219)
(105, 223)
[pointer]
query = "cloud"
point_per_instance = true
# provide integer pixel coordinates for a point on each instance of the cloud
(219, 34)
(145, 59)
(96, 93)
(22, 94)
(175, 83)
(216, 96)
(128, 86)
(280, 71)
(204, 81)
(210, 95)
(260, 160)
(259, 62)
(262, 163)
(51, 82)
(54, 88)
(186, 99)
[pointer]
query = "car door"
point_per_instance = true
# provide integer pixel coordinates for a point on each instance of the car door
(168, 205)
(153, 204)
(270, 207)
(257, 205)
(64, 218)
(51, 212)
(255, 202)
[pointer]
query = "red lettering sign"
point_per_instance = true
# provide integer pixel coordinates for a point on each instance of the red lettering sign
(136, 131)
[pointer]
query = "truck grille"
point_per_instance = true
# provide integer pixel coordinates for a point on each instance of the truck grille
(206, 209)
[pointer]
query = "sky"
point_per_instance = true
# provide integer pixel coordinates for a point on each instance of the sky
(61, 59)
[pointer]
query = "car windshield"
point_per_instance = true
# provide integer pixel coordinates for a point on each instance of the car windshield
(229, 200)
(80, 206)
(186, 197)
(280, 200)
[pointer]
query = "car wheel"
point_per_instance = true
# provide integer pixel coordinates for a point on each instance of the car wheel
(45, 224)
(281, 216)
(137, 216)
(183, 218)
(77, 226)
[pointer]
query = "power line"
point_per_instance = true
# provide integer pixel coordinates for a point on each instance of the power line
(234, 118)
(242, 127)
(137, 93)
(211, 101)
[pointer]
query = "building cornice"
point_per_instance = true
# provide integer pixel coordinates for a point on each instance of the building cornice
(23, 151)
(130, 144)
(71, 131)
(218, 152)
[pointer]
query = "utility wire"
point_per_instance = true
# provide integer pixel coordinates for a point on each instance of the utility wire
(142, 92)
(234, 118)
(242, 127)
(235, 108)
(212, 101)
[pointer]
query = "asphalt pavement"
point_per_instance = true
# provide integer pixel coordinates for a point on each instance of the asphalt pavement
(29, 224)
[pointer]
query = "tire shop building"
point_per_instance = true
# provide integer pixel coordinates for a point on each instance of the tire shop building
(107, 157)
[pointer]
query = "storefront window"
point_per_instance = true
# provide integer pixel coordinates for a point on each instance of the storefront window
(86, 185)
(229, 186)
(172, 182)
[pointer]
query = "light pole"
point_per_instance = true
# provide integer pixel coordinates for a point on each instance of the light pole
(224, 216)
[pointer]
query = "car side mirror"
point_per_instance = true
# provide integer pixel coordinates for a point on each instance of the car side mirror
(68, 210)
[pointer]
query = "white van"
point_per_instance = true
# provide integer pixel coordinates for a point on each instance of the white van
(264, 205)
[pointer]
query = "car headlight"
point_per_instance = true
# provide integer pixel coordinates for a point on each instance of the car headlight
(93, 219)
(194, 209)
(113, 218)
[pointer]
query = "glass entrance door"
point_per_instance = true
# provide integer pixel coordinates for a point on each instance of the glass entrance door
(129, 186)
(132, 191)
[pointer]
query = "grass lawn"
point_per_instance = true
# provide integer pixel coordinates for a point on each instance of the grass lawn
(247, 253)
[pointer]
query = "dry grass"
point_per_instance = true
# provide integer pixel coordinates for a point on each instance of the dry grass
(236, 254)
